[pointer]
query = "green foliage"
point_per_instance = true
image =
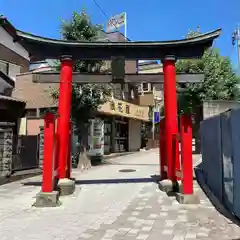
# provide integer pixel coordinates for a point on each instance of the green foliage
(86, 98)
(85, 101)
(219, 82)
(150, 112)
(81, 28)
(238, 79)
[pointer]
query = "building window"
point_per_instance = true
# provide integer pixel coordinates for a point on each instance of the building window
(4, 67)
(31, 113)
(42, 111)
(145, 87)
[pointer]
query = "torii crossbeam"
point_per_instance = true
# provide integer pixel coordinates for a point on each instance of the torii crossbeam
(157, 78)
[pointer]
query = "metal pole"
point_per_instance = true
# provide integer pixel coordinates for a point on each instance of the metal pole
(125, 26)
(162, 149)
(153, 122)
(238, 45)
(153, 130)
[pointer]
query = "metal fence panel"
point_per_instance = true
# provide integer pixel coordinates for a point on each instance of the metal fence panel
(227, 158)
(235, 119)
(220, 136)
(211, 154)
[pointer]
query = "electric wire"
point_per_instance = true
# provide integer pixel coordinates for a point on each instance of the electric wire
(102, 11)
(100, 8)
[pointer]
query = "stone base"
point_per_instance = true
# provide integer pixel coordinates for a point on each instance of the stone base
(47, 199)
(165, 185)
(66, 186)
(187, 198)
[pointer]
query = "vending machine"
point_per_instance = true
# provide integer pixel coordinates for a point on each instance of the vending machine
(96, 137)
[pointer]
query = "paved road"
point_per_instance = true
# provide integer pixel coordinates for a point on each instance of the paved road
(109, 204)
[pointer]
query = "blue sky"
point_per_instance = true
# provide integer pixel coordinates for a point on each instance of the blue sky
(147, 20)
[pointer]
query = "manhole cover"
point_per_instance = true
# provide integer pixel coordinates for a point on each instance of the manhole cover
(127, 170)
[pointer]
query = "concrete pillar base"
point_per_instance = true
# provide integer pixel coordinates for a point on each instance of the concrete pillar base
(165, 185)
(66, 186)
(47, 199)
(187, 198)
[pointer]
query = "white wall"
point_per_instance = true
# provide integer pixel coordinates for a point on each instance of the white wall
(134, 137)
(7, 41)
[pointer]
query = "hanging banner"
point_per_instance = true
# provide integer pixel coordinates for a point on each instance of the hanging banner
(156, 117)
(116, 22)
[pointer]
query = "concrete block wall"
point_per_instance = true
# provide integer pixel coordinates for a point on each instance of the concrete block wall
(6, 153)
(215, 107)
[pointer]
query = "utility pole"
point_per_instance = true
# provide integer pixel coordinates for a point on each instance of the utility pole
(236, 39)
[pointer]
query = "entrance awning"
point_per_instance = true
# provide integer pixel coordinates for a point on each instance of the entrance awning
(11, 109)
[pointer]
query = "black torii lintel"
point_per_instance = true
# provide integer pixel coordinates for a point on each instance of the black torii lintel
(41, 48)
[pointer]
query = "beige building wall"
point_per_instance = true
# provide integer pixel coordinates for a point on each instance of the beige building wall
(157, 69)
(33, 126)
(134, 135)
(146, 98)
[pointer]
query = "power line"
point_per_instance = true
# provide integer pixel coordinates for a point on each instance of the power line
(99, 7)
(103, 12)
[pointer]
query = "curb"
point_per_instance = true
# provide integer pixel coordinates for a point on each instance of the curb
(212, 197)
(20, 175)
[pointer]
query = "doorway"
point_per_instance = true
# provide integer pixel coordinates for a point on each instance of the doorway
(121, 138)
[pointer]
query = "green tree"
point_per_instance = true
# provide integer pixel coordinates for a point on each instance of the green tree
(220, 83)
(86, 98)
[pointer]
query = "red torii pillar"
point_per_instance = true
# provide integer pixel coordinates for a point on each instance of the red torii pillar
(66, 185)
(171, 121)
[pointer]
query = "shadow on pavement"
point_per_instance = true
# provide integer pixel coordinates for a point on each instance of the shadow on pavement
(133, 164)
(106, 162)
(153, 178)
(213, 199)
(20, 175)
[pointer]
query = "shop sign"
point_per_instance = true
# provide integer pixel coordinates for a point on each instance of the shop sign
(120, 107)
(139, 112)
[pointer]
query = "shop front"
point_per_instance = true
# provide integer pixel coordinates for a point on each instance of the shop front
(122, 125)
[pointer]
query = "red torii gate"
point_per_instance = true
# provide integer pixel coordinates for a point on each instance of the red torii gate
(67, 51)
